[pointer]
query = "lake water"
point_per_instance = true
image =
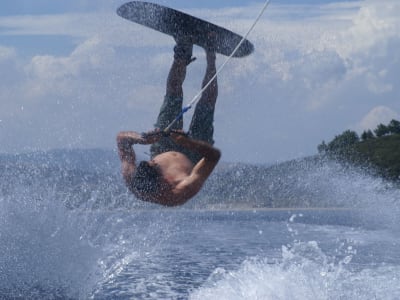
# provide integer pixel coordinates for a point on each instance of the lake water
(101, 250)
(48, 252)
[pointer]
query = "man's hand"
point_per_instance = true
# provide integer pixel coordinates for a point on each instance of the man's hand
(155, 135)
(152, 136)
(126, 139)
(178, 135)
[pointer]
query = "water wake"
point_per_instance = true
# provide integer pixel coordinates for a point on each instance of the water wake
(44, 252)
(99, 248)
(303, 272)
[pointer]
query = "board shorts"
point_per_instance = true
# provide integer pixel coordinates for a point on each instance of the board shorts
(201, 128)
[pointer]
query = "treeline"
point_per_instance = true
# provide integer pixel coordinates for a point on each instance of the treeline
(378, 149)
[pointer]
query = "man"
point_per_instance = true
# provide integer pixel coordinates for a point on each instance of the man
(180, 163)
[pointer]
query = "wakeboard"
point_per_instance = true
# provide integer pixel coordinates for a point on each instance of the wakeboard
(177, 23)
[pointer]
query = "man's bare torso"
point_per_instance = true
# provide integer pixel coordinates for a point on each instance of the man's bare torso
(179, 178)
(174, 166)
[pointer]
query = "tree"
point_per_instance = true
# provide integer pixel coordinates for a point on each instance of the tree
(343, 141)
(341, 144)
(367, 135)
(381, 130)
(394, 127)
(322, 148)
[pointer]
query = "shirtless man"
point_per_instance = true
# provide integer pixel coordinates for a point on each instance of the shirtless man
(180, 163)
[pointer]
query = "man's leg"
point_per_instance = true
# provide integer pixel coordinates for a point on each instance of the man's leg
(175, 79)
(201, 127)
(173, 99)
(182, 58)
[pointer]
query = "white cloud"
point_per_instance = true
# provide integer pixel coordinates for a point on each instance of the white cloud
(374, 24)
(315, 70)
(77, 25)
(46, 74)
(377, 83)
(378, 115)
(6, 54)
(369, 45)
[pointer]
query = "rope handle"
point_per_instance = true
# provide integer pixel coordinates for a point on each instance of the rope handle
(163, 133)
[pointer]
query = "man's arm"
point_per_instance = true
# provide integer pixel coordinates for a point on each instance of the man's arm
(192, 184)
(125, 141)
(209, 153)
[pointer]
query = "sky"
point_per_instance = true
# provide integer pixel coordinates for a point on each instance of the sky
(73, 74)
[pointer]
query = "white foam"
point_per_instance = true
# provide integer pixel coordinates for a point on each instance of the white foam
(43, 248)
(304, 272)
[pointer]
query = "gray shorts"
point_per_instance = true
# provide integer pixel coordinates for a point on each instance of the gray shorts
(201, 128)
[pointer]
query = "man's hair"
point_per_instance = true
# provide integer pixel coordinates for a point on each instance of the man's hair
(146, 178)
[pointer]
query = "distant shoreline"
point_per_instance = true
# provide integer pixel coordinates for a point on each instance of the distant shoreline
(266, 209)
(282, 209)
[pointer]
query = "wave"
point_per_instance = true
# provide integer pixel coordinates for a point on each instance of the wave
(49, 251)
(77, 177)
(44, 252)
(64, 234)
(303, 272)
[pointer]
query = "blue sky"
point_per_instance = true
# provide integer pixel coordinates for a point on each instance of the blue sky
(74, 74)
(51, 6)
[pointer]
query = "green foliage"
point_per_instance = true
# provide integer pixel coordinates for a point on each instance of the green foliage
(344, 140)
(340, 145)
(322, 148)
(382, 152)
(367, 135)
(381, 130)
(394, 127)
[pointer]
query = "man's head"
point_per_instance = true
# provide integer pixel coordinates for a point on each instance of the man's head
(146, 178)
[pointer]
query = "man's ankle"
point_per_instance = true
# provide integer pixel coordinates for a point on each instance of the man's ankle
(183, 51)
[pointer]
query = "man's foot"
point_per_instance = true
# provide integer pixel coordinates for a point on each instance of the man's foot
(183, 49)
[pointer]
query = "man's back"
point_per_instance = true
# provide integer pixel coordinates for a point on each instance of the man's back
(174, 166)
(178, 178)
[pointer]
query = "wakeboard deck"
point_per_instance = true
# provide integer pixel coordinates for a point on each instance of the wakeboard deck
(176, 23)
